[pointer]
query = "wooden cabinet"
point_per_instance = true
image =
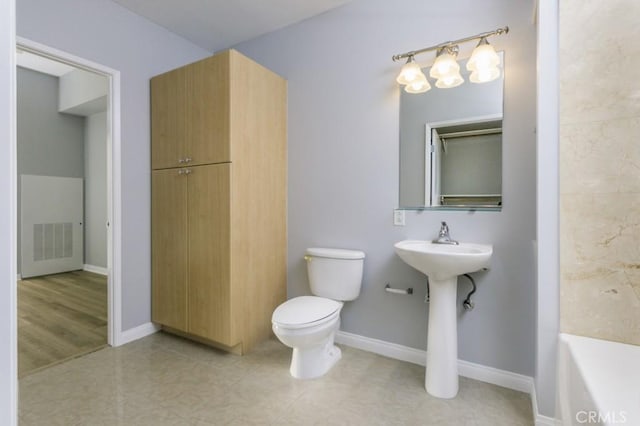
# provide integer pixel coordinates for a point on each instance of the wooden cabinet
(190, 114)
(169, 236)
(219, 200)
(209, 219)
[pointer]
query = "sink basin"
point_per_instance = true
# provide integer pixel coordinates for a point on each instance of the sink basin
(440, 261)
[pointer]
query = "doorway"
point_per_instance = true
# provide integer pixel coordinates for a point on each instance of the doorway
(68, 255)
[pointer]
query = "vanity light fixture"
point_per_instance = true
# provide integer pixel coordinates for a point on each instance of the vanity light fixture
(446, 69)
(483, 64)
(419, 85)
(412, 77)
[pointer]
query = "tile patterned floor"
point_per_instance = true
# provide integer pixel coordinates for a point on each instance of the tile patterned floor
(165, 380)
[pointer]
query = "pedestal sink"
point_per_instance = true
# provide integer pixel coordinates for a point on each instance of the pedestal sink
(442, 263)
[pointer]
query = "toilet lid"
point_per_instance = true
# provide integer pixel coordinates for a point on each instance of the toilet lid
(304, 310)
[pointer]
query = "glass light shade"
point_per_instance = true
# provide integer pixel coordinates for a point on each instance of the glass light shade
(409, 72)
(484, 56)
(484, 75)
(449, 81)
(445, 65)
(419, 85)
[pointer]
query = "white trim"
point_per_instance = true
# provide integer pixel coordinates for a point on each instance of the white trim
(468, 369)
(540, 420)
(114, 181)
(482, 373)
(8, 190)
(547, 206)
(467, 120)
(380, 347)
(19, 277)
(95, 269)
(546, 421)
(138, 332)
(114, 191)
(495, 376)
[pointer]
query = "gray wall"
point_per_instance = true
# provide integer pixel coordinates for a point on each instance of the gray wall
(106, 33)
(472, 165)
(83, 93)
(49, 143)
(95, 190)
(343, 167)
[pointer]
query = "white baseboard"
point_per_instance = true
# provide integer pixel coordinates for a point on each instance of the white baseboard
(479, 372)
(136, 333)
(380, 347)
(503, 378)
(539, 418)
(546, 421)
(95, 269)
(19, 277)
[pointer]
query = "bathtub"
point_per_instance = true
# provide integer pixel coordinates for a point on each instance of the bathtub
(598, 382)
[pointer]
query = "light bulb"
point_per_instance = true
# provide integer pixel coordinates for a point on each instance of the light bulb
(450, 81)
(484, 75)
(445, 64)
(409, 72)
(483, 63)
(419, 85)
(446, 69)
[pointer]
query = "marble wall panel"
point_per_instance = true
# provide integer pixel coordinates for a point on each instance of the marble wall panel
(600, 169)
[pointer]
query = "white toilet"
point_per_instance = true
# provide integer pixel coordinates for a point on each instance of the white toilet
(308, 324)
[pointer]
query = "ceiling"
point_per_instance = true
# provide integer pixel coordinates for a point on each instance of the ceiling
(218, 24)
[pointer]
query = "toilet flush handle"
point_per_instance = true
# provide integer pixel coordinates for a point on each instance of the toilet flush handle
(307, 258)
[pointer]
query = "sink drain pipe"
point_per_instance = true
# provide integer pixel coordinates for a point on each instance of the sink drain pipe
(468, 303)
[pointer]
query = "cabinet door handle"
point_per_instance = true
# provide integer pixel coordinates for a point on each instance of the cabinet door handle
(181, 160)
(187, 172)
(187, 159)
(182, 171)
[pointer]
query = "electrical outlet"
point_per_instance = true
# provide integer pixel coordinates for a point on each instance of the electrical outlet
(398, 217)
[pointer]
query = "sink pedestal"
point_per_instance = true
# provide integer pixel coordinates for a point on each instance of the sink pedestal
(442, 263)
(441, 377)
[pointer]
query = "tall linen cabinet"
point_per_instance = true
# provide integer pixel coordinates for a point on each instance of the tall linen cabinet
(218, 210)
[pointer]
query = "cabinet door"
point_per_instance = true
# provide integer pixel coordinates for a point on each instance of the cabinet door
(208, 111)
(169, 248)
(168, 115)
(209, 253)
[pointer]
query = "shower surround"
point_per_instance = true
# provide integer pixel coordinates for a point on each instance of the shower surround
(600, 169)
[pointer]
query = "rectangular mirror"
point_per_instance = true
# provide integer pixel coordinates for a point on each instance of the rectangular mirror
(451, 146)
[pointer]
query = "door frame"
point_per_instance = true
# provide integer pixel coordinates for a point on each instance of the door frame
(434, 125)
(114, 178)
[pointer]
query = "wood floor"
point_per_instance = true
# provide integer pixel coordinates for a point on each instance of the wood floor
(60, 317)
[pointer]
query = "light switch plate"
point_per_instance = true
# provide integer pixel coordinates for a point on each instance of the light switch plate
(398, 217)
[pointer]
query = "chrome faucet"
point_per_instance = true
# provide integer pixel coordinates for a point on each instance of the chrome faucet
(443, 236)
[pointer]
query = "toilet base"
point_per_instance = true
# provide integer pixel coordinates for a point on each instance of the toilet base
(309, 363)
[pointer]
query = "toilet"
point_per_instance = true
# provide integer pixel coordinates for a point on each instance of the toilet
(308, 324)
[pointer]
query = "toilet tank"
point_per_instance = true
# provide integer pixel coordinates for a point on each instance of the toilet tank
(335, 273)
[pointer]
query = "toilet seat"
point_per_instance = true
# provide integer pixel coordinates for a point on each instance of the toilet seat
(305, 311)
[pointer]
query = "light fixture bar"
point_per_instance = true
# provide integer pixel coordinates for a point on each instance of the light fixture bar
(499, 31)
